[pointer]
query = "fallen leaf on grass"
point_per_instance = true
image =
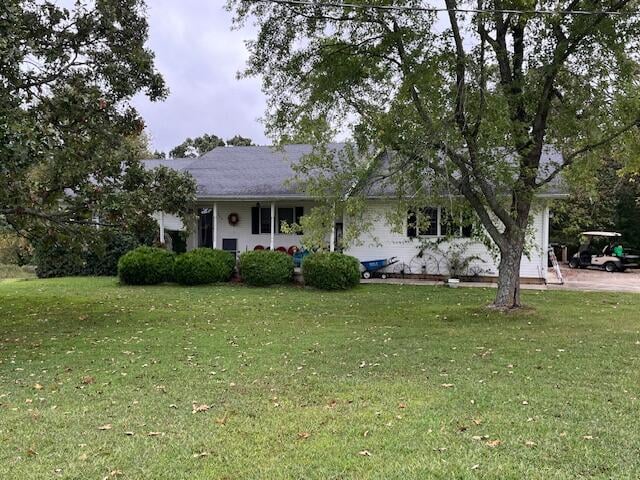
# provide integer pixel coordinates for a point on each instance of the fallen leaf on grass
(475, 467)
(37, 386)
(200, 408)
(477, 421)
(364, 453)
(31, 452)
(493, 443)
(88, 380)
(402, 405)
(303, 435)
(201, 454)
(588, 437)
(105, 427)
(529, 443)
(221, 421)
(447, 385)
(154, 434)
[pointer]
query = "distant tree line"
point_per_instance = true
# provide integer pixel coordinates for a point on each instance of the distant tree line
(198, 146)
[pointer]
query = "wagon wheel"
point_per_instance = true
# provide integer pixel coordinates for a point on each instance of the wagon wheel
(401, 269)
(418, 265)
(474, 270)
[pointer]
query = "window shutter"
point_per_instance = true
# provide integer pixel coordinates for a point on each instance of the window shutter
(255, 220)
(412, 221)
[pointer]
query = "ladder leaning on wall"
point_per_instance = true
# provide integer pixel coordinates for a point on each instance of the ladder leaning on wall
(556, 265)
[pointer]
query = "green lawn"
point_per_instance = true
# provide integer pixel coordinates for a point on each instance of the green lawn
(383, 382)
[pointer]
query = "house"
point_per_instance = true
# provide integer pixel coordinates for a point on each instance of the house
(245, 193)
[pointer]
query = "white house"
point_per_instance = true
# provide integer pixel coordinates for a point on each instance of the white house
(244, 196)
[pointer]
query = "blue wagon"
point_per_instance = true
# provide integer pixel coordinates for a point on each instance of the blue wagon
(371, 267)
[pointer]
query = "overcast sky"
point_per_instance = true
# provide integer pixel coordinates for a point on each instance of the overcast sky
(199, 55)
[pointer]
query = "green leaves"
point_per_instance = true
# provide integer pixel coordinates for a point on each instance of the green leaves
(70, 143)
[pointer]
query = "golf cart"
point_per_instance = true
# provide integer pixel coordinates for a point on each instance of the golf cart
(602, 250)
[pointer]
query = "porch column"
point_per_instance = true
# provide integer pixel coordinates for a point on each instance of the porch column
(161, 228)
(215, 224)
(273, 224)
(332, 239)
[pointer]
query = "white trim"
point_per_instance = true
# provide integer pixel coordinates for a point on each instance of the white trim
(161, 228)
(545, 242)
(272, 242)
(215, 225)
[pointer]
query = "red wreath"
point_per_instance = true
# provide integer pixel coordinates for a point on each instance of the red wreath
(233, 218)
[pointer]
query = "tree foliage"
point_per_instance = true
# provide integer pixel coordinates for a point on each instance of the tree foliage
(603, 197)
(196, 147)
(70, 142)
(239, 141)
(466, 99)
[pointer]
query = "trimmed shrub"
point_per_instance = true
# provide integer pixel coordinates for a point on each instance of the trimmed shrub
(203, 265)
(266, 267)
(331, 271)
(146, 266)
(97, 254)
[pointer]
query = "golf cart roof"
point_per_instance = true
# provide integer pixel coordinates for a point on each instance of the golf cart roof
(601, 234)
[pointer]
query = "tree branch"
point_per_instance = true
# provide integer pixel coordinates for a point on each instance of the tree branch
(572, 157)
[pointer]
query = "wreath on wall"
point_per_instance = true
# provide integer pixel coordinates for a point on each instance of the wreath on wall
(233, 218)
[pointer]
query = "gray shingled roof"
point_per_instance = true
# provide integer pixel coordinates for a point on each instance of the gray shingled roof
(263, 171)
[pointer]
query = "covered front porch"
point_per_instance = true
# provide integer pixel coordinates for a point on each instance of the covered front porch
(240, 226)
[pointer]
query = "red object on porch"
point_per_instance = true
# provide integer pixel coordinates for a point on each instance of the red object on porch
(258, 247)
(292, 249)
(281, 249)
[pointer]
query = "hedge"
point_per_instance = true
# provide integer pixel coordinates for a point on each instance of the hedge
(62, 256)
(331, 271)
(146, 266)
(266, 267)
(203, 265)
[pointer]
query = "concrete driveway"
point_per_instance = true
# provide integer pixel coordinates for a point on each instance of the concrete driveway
(587, 280)
(596, 280)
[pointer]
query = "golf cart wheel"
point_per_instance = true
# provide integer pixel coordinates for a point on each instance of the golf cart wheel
(383, 276)
(610, 267)
(366, 275)
(574, 263)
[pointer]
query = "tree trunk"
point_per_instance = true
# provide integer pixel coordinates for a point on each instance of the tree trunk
(508, 295)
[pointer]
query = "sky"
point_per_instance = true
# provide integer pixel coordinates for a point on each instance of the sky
(199, 55)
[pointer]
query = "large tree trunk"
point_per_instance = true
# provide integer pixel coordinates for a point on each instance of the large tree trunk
(508, 295)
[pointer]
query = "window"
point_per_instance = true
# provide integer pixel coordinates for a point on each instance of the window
(285, 215)
(424, 222)
(261, 218)
(265, 220)
(455, 225)
(289, 215)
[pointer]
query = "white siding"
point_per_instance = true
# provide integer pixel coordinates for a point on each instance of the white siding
(382, 242)
(242, 230)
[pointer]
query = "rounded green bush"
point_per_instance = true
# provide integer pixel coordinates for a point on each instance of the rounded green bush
(203, 265)
(146, 266)
(331, 271)
(266, 267)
